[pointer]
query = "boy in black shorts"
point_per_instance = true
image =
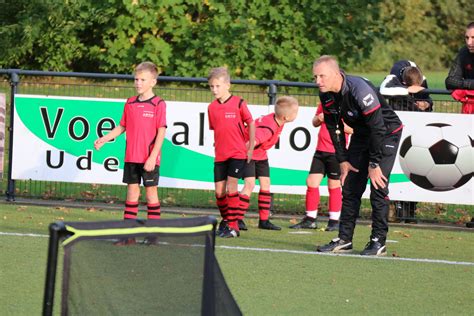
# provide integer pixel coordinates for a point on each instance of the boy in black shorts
(228, 118)
(144, 121)
(324, 163)
(267, 133)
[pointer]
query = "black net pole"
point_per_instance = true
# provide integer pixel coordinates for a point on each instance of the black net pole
(48, 302)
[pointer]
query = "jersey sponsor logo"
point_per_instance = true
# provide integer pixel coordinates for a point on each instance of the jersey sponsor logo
(230, 115)
(149, 114)
(368, 100)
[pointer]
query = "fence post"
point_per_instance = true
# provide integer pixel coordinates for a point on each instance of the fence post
(272, 93)
(14, 81)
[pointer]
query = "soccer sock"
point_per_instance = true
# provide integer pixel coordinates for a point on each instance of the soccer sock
(312, 201)
(131, 210)
(233, 210)
(335, 203)
(264, 200)
(222, 206)
(154, 211)
(243, 205)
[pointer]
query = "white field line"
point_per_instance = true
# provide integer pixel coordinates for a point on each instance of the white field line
(300, 252)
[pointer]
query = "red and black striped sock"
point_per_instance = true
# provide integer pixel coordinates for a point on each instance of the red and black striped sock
(264, 199)
(233, 210)
(131, 210)
(222, 206)
(243, 205)
(154, 210)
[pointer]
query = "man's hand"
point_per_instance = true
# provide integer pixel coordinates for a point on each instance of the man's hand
(345, 168)
(377, 178)
(422, 105)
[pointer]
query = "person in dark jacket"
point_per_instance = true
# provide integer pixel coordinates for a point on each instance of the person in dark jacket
(371, 153)
(405, 90)
(461, 73)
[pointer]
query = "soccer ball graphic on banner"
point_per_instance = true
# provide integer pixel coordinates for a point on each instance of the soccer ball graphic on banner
(438, 157)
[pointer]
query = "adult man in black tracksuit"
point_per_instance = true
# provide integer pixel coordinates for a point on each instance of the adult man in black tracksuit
(371, 153)
(461, 73)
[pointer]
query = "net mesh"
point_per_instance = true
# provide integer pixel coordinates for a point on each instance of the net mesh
(132, 272)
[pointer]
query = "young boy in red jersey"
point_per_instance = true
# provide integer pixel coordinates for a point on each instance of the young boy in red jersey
(267, 132)
(228, 117)
(144, 121)
(324, 163)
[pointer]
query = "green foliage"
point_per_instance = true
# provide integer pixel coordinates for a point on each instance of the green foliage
(428, 32)
(255, 39)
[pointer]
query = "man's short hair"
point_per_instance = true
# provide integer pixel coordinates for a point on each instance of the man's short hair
(326, 59)
(412, 76)
(147, 66)
(284, 105)
(219, 72)
(470, 25)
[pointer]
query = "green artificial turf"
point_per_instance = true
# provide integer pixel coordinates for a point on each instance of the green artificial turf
(276, 283)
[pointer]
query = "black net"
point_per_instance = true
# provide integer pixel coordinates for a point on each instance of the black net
(163, 267)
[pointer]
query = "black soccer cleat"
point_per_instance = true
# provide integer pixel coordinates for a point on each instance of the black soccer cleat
(229, 233)
(242, 225)
(333, 225)
(221, 227)
(306, 223)
(125, 242)
(150, 240)
(267, 225)
(374, 248)
(337, 245)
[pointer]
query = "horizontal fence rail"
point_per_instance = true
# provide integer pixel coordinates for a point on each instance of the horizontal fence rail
(180, 89)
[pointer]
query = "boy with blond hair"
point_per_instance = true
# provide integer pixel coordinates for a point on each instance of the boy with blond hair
(229, 116)
(144, 121)
(267, 133)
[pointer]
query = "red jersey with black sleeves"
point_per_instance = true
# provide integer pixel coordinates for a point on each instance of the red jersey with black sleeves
(324, 139)
(267, 133)
(361, 107)
(227, 120)
(141, 120)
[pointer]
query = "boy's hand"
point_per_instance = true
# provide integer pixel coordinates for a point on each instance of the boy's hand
(422, 105)
(99, 143)
(150, 164)
(249, 155)
(415, 89)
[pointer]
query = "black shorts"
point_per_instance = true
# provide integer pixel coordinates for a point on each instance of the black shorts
(134, 173)
(327, 164)
(257, 168)
(230, 168)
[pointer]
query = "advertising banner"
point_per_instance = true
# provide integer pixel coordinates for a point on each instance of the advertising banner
(54, 136)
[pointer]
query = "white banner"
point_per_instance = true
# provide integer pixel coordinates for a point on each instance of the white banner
(53, 141)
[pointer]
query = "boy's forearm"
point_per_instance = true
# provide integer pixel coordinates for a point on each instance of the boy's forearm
(251, 135)
(160, 137)
(117, 131)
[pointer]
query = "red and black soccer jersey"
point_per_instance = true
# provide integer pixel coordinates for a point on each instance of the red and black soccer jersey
(141, 120)
(267, 133)
(324, 139)
(227, 120)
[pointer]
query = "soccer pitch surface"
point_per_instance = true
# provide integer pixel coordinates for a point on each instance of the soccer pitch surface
(427, 271)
